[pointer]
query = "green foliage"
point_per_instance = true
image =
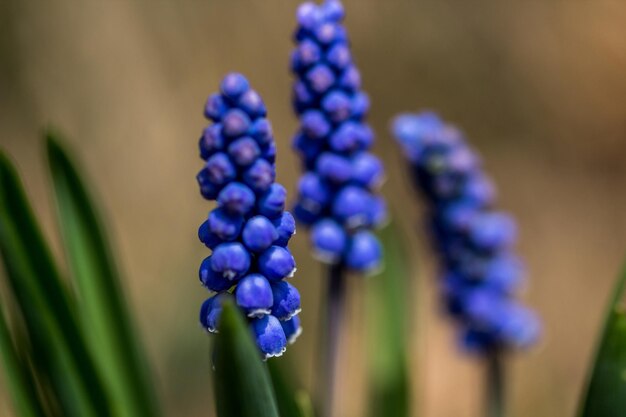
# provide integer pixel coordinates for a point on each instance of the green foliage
(102, 307)
(46, 306)
(75, 354)
(19, 379)
(79, 356)
(388, 312)
(606, 393)
(241, 380)
(291, 399)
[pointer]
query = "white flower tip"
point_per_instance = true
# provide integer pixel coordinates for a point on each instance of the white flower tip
(291, 315)
(354, 222)
(374, 269)
(294, 336)
(259, 312)
(325, 256)
(274, 354)
(229, 274)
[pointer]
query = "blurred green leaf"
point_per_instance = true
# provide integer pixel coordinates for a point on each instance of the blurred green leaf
(17, 376)
(241, 380)
(388, 298)
(305, 404)
(45, 304)
(101, 303)
(606, 392)
(290, 397)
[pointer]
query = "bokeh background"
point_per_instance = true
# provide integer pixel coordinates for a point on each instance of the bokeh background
(538, 86)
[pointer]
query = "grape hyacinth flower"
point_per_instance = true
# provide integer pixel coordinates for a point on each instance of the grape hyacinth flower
(337, 195)
(249, 230)
(481, 273)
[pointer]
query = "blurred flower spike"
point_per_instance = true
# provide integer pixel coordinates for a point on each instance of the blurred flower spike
(337, 195)
(481, 274)
(249, 230)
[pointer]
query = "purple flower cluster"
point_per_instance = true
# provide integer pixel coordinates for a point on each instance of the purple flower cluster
(480, 272)
(249, 229)
(337, 193)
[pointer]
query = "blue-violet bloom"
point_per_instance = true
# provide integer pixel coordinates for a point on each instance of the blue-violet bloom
(480, 272)
(338, 193)
(249, 230)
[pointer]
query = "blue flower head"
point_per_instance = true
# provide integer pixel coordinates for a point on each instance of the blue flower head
(249, 230)
(480, 272)
(337, 195)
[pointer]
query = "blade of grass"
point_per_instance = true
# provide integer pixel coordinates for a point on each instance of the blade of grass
(17, 376)
(241, 380)
(388, 306)
(606, 391)
(45, 304)
(102, 305)
(34, 357)
(288, 393)
(305, 404)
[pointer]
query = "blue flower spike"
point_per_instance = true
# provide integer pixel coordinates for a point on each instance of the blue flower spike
(249, 230)
(337, 194)
(480, 272)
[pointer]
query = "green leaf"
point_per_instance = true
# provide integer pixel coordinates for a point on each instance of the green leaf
(35, 359)
(291, 399)
(388, 296)
(18, 379)
(241, 380)
(305, 404)
(606, 392)
(45, 304)
(102, 306)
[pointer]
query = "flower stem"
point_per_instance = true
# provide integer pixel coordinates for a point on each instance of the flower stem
(335, 312)
(495, 384)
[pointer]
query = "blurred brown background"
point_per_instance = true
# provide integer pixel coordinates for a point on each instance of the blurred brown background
(539, 87)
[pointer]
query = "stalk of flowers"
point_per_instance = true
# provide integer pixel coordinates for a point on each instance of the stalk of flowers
(481, 273)
(337, 193)
(249, 230)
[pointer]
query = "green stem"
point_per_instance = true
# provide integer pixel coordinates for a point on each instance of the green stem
(495, 384)
(335, 315)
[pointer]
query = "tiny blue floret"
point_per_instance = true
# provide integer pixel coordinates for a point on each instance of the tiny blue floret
(254, 295)
(286, 300)
(292, 329)
(269, 335)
